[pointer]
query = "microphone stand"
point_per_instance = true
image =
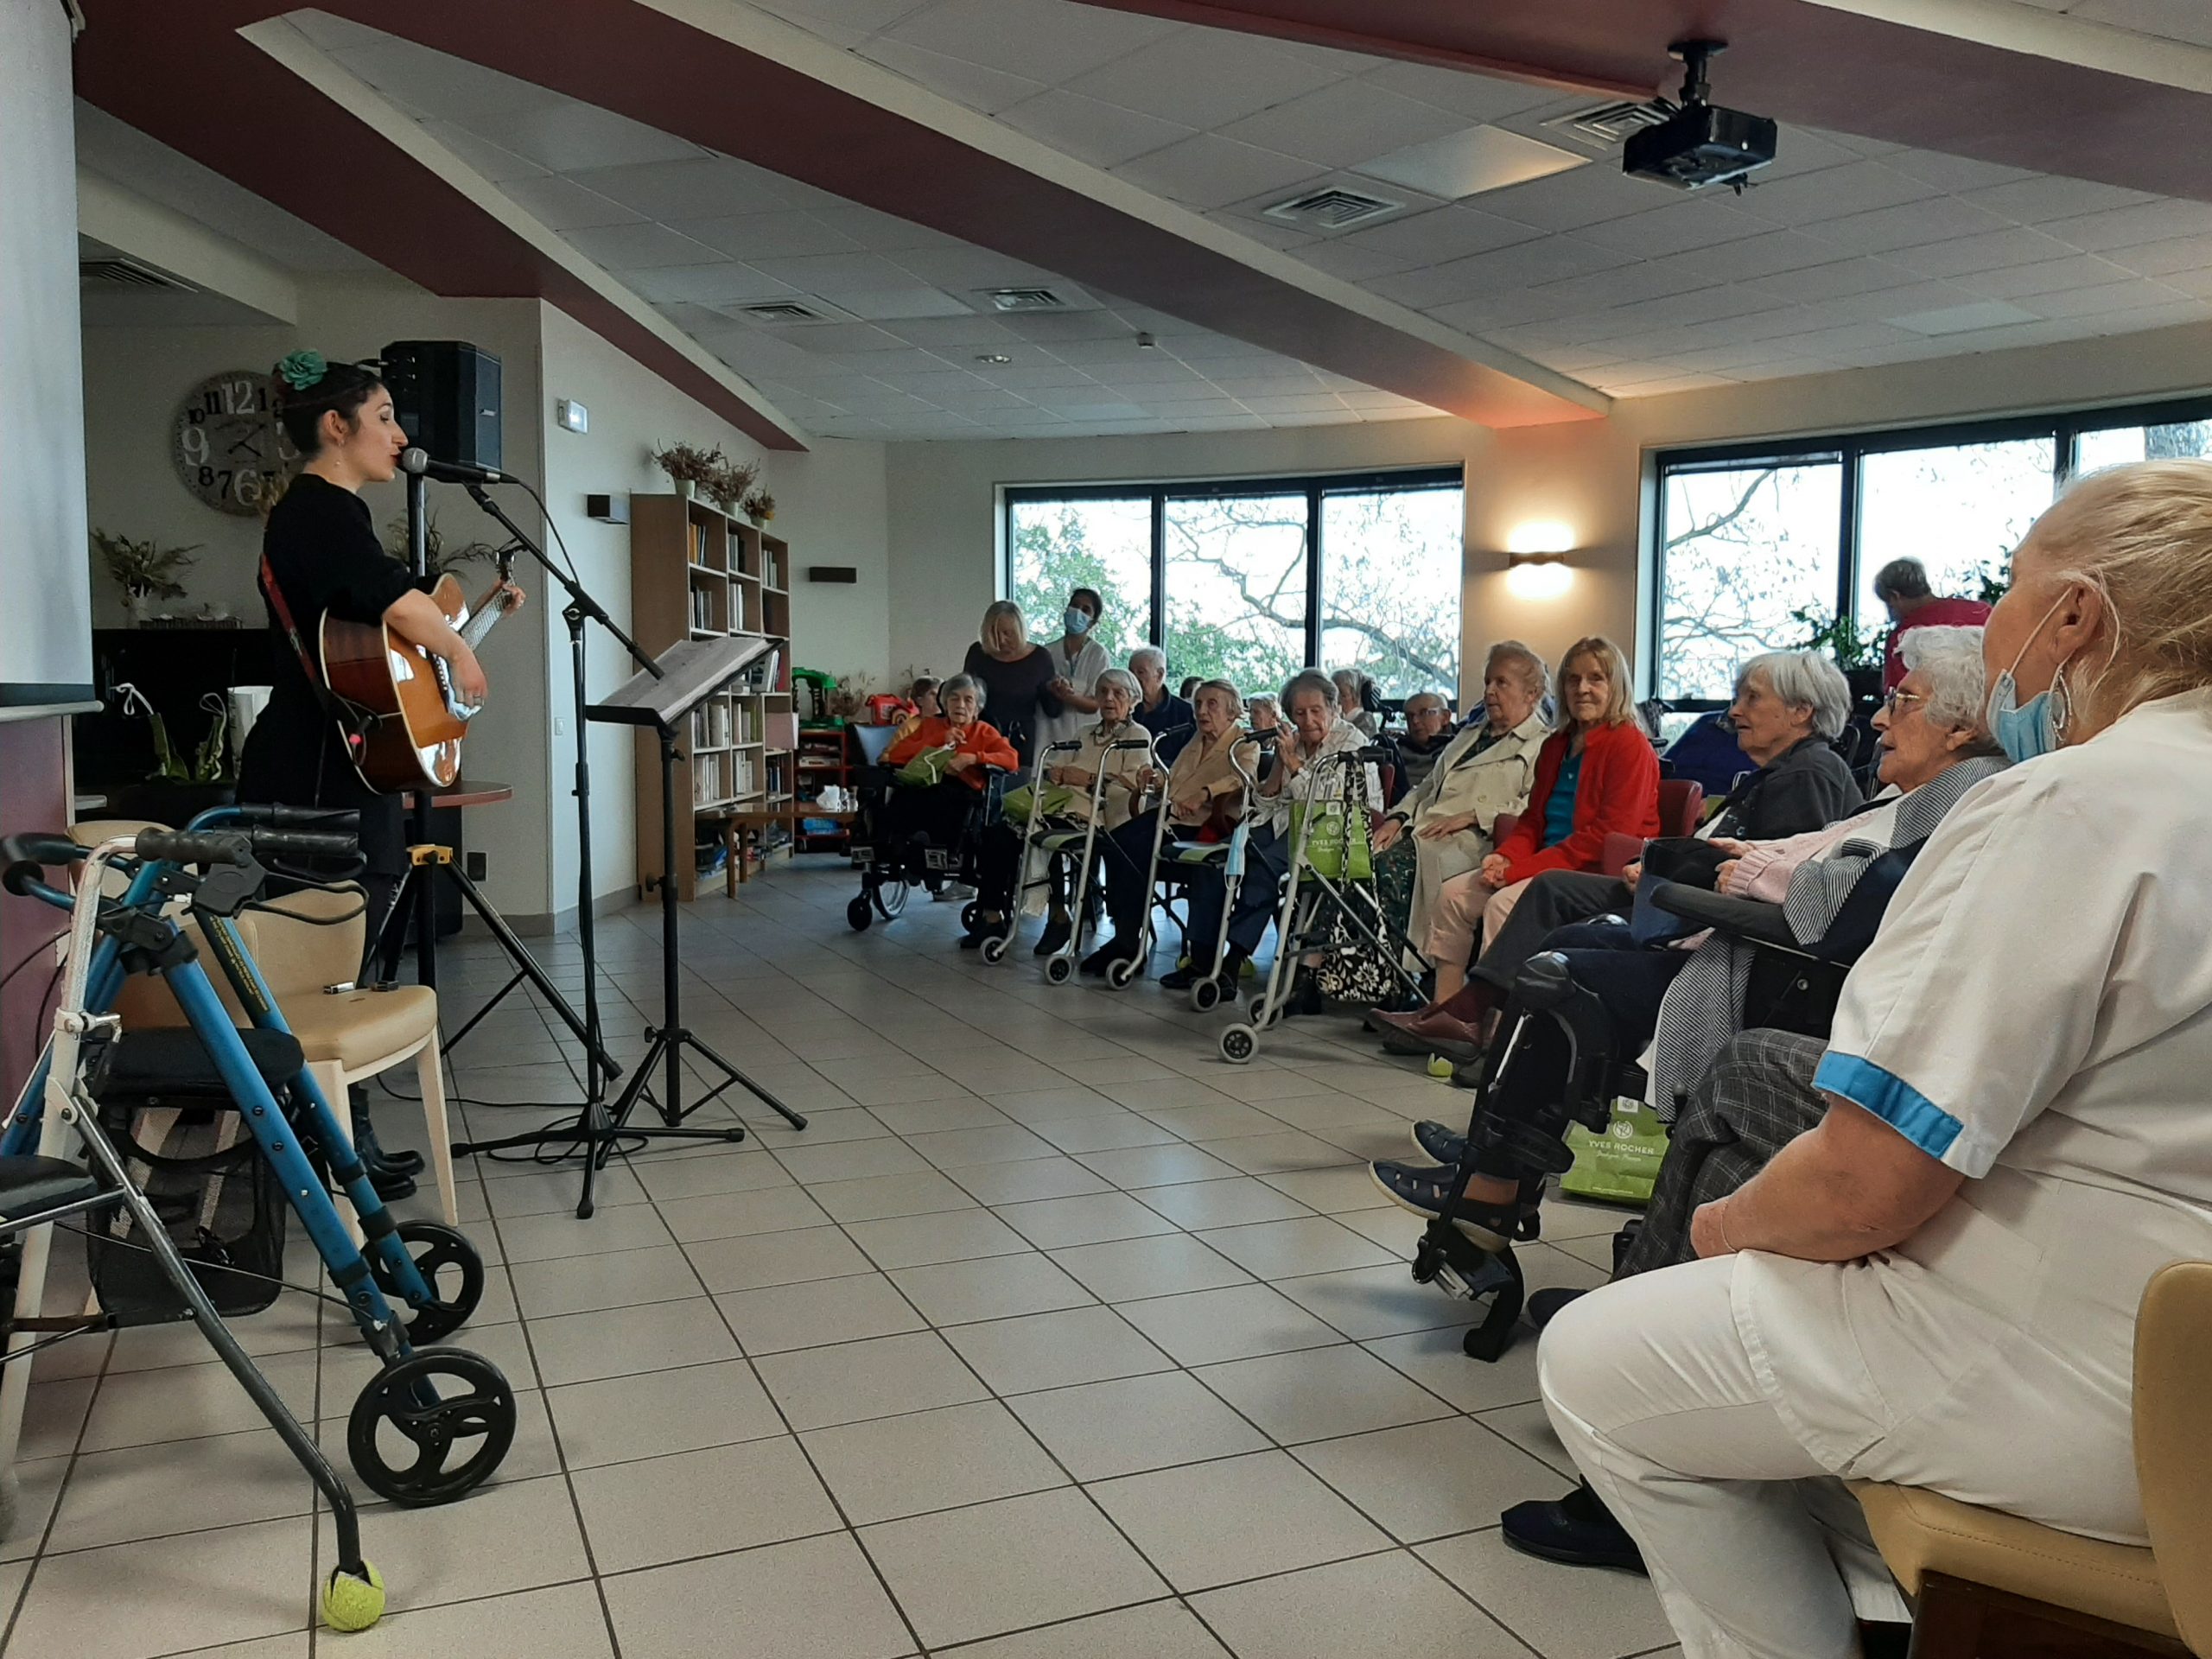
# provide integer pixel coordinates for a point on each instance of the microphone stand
(595, 1131)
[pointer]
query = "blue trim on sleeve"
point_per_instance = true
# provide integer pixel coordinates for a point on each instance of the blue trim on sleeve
(1896, 1101)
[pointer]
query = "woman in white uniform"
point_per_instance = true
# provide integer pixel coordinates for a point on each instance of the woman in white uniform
(1937, 1287)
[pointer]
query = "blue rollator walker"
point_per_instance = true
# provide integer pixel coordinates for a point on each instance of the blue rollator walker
(434, 1422)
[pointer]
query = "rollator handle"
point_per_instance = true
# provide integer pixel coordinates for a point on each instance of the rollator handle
(1065, 746)
(1131, 743)
(346, 822)
(34, 850)
(303, 843)
(194, 847)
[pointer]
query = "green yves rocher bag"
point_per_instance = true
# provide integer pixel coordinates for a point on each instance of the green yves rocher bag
(1622, 1164)
(1055, 801)
(927, 767)
(1333, 849)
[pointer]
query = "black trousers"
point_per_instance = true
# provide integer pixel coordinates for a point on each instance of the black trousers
(1554, 900)
(1125, 860)
(938, 812)
(1266, 861)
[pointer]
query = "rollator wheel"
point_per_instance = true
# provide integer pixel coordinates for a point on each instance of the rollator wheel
(431, 1426)
(891, 898)
(969, 912)
(1205, 994)
(1238, 1044)
(993, 950)
(1121, 971)
(1058, 970)
(859, 913)
(452, 1268)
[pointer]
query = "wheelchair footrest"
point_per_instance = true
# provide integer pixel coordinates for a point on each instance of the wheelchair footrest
(31, 1187)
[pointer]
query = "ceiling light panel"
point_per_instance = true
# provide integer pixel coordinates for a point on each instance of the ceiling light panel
(1470, 163)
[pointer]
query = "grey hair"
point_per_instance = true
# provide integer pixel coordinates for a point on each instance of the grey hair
(1224, 689)
(1949, 659)
(1262, 700)
(1123, 678)
(1538, 671)
(1804, 679)
(1148, 654)
(964, 683)
(1309, 680)
(1902, 579)
(1443, 702)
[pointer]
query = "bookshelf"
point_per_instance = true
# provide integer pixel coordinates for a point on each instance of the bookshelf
(697, 573)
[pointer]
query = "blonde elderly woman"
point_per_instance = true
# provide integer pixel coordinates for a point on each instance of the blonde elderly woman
(1201, 789)
(1484, 773)
(1937, 1287)
(1122, 795)
(1016, 677)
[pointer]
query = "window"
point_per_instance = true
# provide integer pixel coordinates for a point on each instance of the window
(1251, 581)
(1749, 535)
(1058, 546)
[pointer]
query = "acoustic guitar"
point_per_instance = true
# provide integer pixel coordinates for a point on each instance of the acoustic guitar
(404, 723)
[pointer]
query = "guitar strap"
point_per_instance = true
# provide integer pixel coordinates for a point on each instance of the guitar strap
(351, 721)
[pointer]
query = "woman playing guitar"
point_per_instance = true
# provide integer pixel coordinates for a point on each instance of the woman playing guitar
(319, 553)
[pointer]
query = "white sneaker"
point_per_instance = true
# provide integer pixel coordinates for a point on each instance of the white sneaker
(954, 891)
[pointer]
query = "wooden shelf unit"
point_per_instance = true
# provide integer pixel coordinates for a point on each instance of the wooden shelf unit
(697, 573)
(825, 757)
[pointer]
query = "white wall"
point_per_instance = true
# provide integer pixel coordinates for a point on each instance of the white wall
(830, 505)
(41, 481)
(133, 380)
(1592, 475)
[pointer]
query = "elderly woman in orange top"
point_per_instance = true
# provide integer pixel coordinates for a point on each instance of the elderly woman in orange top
(937, 811)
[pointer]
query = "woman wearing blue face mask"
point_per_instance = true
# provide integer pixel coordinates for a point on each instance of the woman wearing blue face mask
(1937, 1287)
(1077, 661)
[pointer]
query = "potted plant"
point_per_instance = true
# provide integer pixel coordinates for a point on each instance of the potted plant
(760, 506)
(731, 480)
(144, 570)
(688, 467)
(1857, 651)
(442, 559)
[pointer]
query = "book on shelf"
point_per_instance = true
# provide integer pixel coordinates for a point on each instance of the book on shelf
(698, 543)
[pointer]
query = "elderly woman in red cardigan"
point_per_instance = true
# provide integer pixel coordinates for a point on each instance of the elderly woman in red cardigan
(1597, 776)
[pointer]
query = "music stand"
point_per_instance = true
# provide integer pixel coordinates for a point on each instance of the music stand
(689, 671)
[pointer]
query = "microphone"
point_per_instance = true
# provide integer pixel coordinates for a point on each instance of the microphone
(421, 463)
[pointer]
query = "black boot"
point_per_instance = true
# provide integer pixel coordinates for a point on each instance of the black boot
(391, 1182)
(1578, 1530)
(364, 1140)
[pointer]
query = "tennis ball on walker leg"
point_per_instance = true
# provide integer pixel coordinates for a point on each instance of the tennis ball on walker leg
(351, 1603)
(1440, 1067)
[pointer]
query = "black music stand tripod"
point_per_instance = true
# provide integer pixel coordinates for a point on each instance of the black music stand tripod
(684, 675)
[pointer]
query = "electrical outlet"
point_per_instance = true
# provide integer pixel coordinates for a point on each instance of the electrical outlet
(475, 866)
(560, 725)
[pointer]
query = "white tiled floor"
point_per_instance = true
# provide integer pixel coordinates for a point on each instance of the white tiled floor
(1052, 1336)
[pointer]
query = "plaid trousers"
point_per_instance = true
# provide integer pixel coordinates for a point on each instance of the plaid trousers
(1756, 1097)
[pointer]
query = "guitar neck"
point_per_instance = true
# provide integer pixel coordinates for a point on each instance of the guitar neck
(483, 619)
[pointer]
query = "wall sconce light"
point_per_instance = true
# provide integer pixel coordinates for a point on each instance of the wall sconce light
(1535, 560)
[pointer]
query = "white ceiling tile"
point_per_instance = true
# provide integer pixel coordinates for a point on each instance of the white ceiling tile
(726, 283)
(1202, 77)
(1343, 126)
(767, 236)
(1831, 281)
(1352, 263)
(1990, 251)
(1625, 285)
(978, 87)
(1088, 409)
(1210, 172)
(1293, 405)
(1832, 193)
(2034, 200)
(1526, 264)
(1102, 134)
(500, 166)
(960, 269)
(483, 100)
(1952, 174)
(881, 233)
(2161, 258)
(1752, 256)
(1030, 379)
(1472, 161)
(1021, 37)
(640, 247)
(709, 187)
(1909, 225)
(2122, 227)
(1807, 149)
(896, 304)
(2173, 311)
(1963, 319)
(857, 17)
(1668, 385)
(832, 274)
(1501, 308)
(1440, 235)
(1675, 223)
(846, 339)
(1479, 98)
(2173, 20)
(964, 336)
(1567, 201)
(2109, 300)
(1063, 331)
(573, 136)
(561, 204)
(2046, 276)
(1887, 305)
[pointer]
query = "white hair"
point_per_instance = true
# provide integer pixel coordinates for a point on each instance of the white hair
(1122, 679)
(964, 683)
(1804, 679)
(1152, 654)
(1949, 659)
(1309, 682)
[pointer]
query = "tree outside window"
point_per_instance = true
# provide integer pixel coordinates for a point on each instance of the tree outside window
(1059, 546)
(1741, 549)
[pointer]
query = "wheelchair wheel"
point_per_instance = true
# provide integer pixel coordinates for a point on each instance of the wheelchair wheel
(1058, 970)
(859, 913)
(1238, 1044)
(451, 1268)
(431, 1426)
(969, 912)
(1205, 994)
(891, 900)
(1121, 971)
(993, 950)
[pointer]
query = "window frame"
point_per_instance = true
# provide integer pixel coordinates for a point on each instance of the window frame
(1314, 486)
(1850, 450)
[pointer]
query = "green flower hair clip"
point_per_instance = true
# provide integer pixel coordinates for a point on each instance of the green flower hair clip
(302, 369)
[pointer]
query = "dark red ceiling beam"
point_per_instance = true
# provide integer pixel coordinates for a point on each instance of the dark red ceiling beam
(1800, 62)
(184, 76)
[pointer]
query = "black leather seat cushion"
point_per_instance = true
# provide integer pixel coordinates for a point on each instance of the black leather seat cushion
(30, 1186)
(173, 1060)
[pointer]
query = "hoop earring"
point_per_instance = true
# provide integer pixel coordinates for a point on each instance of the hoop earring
(2062, 701)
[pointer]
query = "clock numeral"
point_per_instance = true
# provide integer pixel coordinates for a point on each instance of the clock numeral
(206, 478)
(248, 487)
(193, 441)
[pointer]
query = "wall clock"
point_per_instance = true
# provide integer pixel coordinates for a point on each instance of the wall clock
(228, 448)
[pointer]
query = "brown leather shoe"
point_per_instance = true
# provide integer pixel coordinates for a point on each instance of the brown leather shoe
(1380, 1018)
(1431, 1033)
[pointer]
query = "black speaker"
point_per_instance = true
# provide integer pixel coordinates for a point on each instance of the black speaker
(447, 393)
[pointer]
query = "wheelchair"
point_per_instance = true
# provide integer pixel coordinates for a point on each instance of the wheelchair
(1793, 986)
(434, 1422)
(888, 871)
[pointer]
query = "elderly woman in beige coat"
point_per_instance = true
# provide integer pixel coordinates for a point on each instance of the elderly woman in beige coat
(1484, 773)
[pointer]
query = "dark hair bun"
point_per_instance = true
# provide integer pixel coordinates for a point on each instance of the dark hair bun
(304, 387)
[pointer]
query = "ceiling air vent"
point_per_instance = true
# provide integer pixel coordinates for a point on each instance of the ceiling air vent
(119, 273)
(781, 311)
(1025, 299)
(1333, 209)
(1607, 126)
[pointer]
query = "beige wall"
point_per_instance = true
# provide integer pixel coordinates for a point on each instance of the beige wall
(1592, 475)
